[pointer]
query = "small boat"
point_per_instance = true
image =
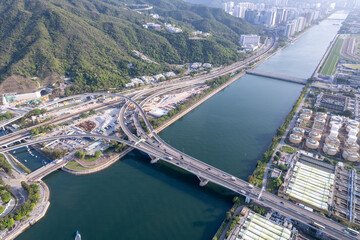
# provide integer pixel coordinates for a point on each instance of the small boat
(14, 151)
(25, 160)
(78, 236)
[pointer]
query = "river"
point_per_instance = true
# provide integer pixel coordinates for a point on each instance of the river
(136, 200)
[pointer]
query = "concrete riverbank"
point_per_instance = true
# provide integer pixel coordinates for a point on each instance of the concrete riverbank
(38, 213)
(323, 59)
(182, 113)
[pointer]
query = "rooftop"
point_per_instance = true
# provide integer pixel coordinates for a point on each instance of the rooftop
(258, 227)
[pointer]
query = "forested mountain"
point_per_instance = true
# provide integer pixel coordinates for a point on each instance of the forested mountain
(210, 3)
(93, 40)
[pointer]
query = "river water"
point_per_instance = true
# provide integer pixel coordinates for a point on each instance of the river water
(136, 200)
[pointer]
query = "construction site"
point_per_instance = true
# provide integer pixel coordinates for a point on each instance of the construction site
(161, 105)
(87, 126)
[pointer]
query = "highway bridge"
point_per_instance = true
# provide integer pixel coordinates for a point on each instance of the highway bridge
(158, 149)
(277, 76)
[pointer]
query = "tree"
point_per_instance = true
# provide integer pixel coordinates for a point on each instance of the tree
(97, 154)
(347, 113)
(278, 153)
(277, 182)
(283, 167)
(251, 179)
(5, 196)
(6, 223)
(280, 131)
(84, 115)
(80, 154)
(259, 210)
(34, 132)
(92, 112)
(228, 215)
(322, 109)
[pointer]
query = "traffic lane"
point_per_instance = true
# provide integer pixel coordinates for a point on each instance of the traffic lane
(302, 217)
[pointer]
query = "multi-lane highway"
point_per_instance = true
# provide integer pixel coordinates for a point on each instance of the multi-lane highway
(153, 145)
(159, 149)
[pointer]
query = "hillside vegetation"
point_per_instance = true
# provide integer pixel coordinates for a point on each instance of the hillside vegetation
(93, 40)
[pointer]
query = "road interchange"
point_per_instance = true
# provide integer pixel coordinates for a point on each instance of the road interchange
(159, 149)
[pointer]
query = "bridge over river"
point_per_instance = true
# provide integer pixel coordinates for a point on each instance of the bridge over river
(150, 143)
(277, 76)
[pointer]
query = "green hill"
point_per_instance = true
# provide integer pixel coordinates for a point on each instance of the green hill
(93, 40)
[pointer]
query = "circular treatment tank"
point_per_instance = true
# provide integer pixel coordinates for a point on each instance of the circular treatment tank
(315, 135)
(332, 140)
(336, 118)
(321, 115)
(349, 155)
(306, 111)
(305, 116)
(353, 123)
(298, 131)
(352, 128)
(295, 138)
(312, 144)
(319, 120)
(352, 146)
(330, 149)
(334, 123)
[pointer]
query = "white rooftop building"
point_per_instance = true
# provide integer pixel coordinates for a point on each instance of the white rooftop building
(147, 79)
(249, 40)
(156, 16)
(169, 74)
(207, 65)
(196, 65)
(158, 77)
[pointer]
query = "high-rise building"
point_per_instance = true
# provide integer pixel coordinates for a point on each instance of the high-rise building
(279, 15)
(228, 6)
(309, 16)
(290, 28)
(269, 18)
(252, 16)
(281, 2)
(239, 11)
(300, 24)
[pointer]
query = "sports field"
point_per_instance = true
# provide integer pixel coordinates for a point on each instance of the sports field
(329, 66)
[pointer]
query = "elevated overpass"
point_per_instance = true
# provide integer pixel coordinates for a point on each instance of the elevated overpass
(277, 76)
(160, 150)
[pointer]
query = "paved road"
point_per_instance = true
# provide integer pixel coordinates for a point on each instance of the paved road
(157, 148)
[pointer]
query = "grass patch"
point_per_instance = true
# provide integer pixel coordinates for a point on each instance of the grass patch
(22, 166)
(330, 64)
(287, 149)
(74, 165)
